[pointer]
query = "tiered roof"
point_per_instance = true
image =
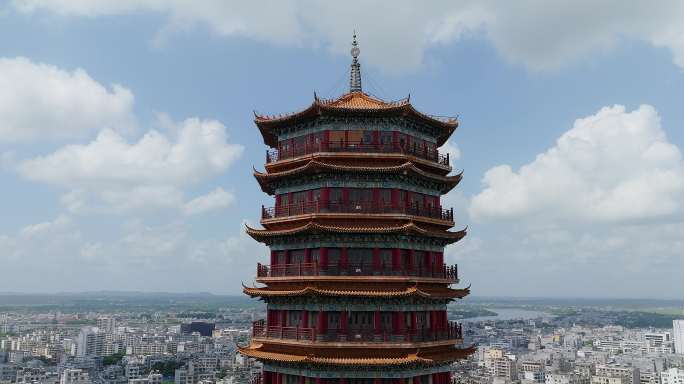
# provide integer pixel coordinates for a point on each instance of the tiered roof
(313, 227)
(357, 103)
(358, 357)
(318, 166)
(358, 290)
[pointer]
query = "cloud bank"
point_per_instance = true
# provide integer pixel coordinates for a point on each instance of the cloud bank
(396, 36)
(41, 101)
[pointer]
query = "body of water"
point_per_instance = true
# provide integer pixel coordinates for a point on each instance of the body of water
(510, 314)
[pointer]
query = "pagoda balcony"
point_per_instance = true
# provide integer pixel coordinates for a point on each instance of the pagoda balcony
(274, 155)
(306, 208)
(453, 331)
(446, 272)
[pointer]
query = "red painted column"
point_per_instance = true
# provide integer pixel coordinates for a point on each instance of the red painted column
(273, 258)
(416, 380)
(319, 380)
(344, 258)
(376, 259)
(325, 197)
(345, 196)
(395, 198)
(323, 257)
(326, 140)
(414, 322)
(302, 379)
(428, 263)
(322, 326)
(307, 255)
(283, 318)
(377, 380)
(287, 256)
(305, 319)
(439, 259)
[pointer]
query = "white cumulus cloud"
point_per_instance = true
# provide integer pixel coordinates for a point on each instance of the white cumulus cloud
(611, 166)
(41, 101)
(216, 199)
(110, 174)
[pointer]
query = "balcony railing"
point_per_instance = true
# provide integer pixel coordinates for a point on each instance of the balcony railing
(320, 206)
(452, 331)
(274, 155)
(449, 272)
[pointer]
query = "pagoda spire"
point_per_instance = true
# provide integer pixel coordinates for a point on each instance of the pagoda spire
(355, 77)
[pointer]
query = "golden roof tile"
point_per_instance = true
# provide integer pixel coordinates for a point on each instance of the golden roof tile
(360, 358)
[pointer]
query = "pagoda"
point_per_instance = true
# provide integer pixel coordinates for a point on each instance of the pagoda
(356, 288)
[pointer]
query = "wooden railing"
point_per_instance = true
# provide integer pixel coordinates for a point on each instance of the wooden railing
(449, 272)
(453, 331)
(260, 329)
(274, 155)
(320, 206)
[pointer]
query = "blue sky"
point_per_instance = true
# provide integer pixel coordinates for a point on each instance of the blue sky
(127, 141)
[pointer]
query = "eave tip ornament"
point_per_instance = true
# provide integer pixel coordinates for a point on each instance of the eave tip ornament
(355, 77)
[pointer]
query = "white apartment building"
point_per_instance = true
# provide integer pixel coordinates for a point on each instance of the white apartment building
(672, 376)
(74, 376)
(90, 342)
(152, 378)
(133, 371)
(678, 334)
(566, 378)
(631, 374)
(608, 380)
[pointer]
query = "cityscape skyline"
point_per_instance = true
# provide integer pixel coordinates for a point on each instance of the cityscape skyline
(127, 139)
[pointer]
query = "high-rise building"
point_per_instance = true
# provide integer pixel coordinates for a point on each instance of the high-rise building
(106, 323)
(678, 334)
(357, 287)
(201, 327)
(90, 342)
